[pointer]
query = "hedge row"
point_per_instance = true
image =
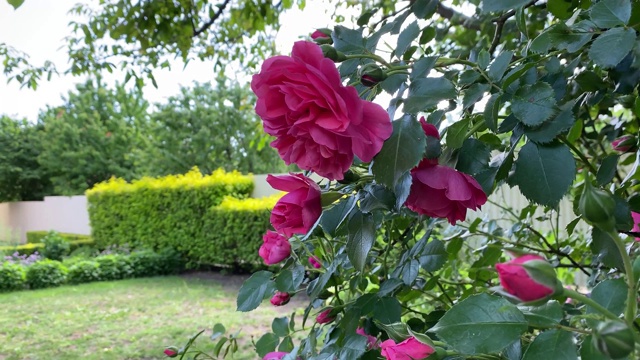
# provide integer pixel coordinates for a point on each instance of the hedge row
(208, 219)
(37, 236)
(30, 248)
(50, 273)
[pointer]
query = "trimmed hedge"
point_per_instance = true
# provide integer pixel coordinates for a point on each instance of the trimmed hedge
(28, 249)
(46, 273)
(167, 212)
(12, 277)
(36, 236)
(232, 233)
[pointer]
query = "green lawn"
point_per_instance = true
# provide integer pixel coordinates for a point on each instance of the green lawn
(128, 319)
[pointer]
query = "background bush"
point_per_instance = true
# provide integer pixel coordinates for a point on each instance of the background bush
(46, 273)
(114, 267)
(12, 277)
(83, 271)
(28, 249)
(37, 236)
(55, 246)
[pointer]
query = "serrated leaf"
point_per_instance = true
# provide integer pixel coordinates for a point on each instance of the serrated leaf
(501, 5)
(362, 235)
(377, 197)
(473, 157)
(289, 280)
(611, 294)
(473, 94)
(611, 13)
(589, 352)
(422, 67)
(481, 324)
(544, 316)
(428, 92)
(434, 256)
(499, 66)
(280, 326)
(605, 249)
(400, 153)
(266, 344)
(333, 217)
(607, 170)
(571, 39)
(347, 40)
(544, 173)
(491, 112)
(254, 290)
(534, 104)
(405, 38)
(590, 81)
(422, 8)
(548, 131)
(612, 46)
(456, 133)
(552, 344)
(560, 8)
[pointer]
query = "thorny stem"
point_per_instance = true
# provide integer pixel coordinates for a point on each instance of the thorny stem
(630, 312)
(588, 301)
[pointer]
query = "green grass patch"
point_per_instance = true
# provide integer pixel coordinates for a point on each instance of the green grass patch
(127, 319)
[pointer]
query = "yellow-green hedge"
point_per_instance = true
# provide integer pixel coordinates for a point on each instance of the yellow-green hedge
(172, 211)
(36, 236)
(30, 248)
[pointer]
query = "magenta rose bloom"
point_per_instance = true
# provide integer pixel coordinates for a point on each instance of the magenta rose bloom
(276, 355)
(275, 248)
(517, 282)
(325, 317)
(318, 123)
(410, 349)
(280, 298)
(636, 223)
(372, 341)
(297, 211)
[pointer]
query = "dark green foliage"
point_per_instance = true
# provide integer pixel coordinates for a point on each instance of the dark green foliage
(114, 267)
(12, 277)
(83, 272)
(46, 273)
(55, 246)
(37, 236)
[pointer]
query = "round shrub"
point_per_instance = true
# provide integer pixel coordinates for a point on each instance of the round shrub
(146, 263)
(12, 277)
(114, 267)
(55, 246)
(83, 271)
(46, 273)
(171, 261)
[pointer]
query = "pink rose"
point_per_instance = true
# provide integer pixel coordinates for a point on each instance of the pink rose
(319, 124)
(517, 282)
(275, 248)
(280, 298)
(297, 211)
(319, 34)
(372, 341)
(315, 262)
(636, 223)
(325, 317)
(410, 349)
(625, 144)
(275, 355)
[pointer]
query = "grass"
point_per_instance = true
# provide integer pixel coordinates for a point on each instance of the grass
(127, 319)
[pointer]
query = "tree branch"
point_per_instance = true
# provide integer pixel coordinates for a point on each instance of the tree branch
(207, 25)
(456, 18)
(500, 25)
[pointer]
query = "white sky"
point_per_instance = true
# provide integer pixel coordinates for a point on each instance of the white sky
(38, 28)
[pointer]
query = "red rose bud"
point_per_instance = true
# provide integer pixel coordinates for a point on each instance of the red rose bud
(614, 339)
(625, 144)
(315, 262)
(171, 351)
(371, 75)
(325, 317)
(280, 298)
(636, 223)
(597, 206)
(322, 36)
(331, 53)
(528, 278)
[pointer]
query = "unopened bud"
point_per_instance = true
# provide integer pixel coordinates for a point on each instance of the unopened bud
(331, 53)
(371, 75)
(626, 143)
(614, 339)
(322, 36)
(597, 206)
(171, 351)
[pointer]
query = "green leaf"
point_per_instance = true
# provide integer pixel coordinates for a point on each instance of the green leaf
(405, 38)
(354, 347)
(607, 170)
(560, 8)
(544, 173)
(364, 18)
(501, 5)
(605, 249)
(286, 345)
(387, 310)
(362, 235)
(481, 324)
(473, 94)
(434, 256)
(589, 352)
(499, 66)
(548, 131)
(612, 46)
(473, 157)
(218, 330)
(289, 280)
(552, 344)
(456, 133)
(422, 67)
(611, 13)
(347, 40)
(280, 326)
(491, 112)
(422, 8)
(611, 294)
(428, 92)
(544, 316)
(333, 217)
(15, 3)
(590, 81)
(571, 39)
(534, 104)
(376, 197)
(400, 153)
(254, 290)
(266, 344)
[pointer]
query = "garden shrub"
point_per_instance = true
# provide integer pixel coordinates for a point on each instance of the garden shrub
(150, 263)
(55, 246)
(12, 277)
(83, 271)
(28, 249)
(233, 232)
(37, 236)
(167, 212)
(46, 273)
(114, 267)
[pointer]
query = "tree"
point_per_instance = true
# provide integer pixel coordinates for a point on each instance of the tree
(209, 127)
(21, 177)
(95, 135)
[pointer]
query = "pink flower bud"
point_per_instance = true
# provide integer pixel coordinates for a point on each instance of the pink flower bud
(625, 144)
(372, 341)
(315, 262)
(280, 298)
(319, 34)
(516, 281)
(636, 223)
(325, 317)
(171, 351)
(275, 248)
(276, 355)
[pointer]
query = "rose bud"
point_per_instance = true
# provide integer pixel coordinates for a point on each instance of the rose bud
(331, 53)
(322, 36)
(625, 143)
(528, 278)
(597, 206)
(276, 355)
(371, 75)
(411, 348)
(171, 351)
(325, 317)
(636, 223)
(315, 262)
(280, 298)
(372, 341)
(614, 339)
(275, 248)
